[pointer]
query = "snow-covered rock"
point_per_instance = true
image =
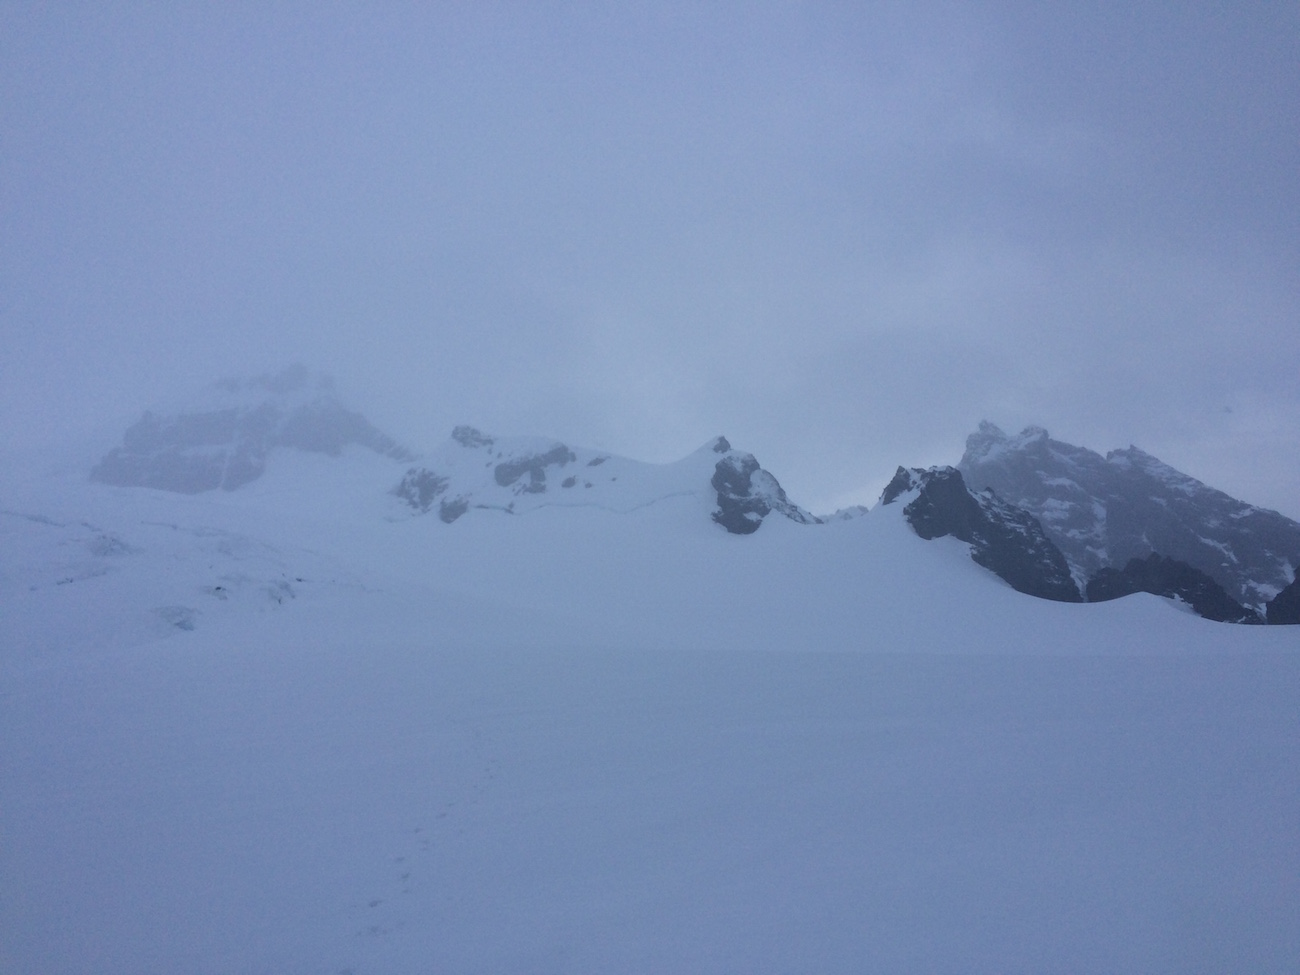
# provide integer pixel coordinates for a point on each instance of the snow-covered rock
(1032, 504)
(1005, 539)
(847, 514)
(747, 493)
(515, 475)
(1104, 511)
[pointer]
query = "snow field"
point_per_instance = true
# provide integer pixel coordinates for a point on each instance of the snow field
(575, 740)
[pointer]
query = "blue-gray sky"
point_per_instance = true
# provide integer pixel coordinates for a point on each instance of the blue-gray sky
(839, 233)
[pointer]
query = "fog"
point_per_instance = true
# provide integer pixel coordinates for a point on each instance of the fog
(840, 234)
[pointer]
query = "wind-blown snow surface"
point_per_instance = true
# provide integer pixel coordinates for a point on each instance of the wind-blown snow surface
(281, 729)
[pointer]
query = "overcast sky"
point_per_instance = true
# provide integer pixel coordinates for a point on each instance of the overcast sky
(841, 234)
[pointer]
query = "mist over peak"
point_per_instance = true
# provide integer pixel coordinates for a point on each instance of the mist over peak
(222, 440)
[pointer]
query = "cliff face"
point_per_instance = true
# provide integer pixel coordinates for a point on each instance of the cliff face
(1172, 579)
(1005, 539)
(1103, 512)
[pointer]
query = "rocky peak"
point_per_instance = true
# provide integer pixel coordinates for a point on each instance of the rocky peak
(747, 494)
(1005, 539)
(1104, 511)
(224, 440)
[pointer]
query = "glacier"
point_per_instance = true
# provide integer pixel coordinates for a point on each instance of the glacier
(300, 726)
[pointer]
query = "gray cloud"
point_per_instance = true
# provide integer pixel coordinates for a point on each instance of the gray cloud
(841, 236)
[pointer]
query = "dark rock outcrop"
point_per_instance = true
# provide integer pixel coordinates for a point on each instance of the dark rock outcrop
(420, 488)
(1170, 578)
(470, 437)
(1104, 511)
(1285, 606)
(514, 475)
(449, 509)
(511, 471)
(1005, 539)
(904, 480)
(747, 493)
(739, 510)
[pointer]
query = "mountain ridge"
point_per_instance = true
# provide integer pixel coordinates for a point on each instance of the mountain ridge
(1010, 499)
(1103, 512)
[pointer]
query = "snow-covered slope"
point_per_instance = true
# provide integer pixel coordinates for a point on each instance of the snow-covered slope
(515, 475)
(1104, 511)
(1169, 577)
(300, 727)
(1003, 538)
